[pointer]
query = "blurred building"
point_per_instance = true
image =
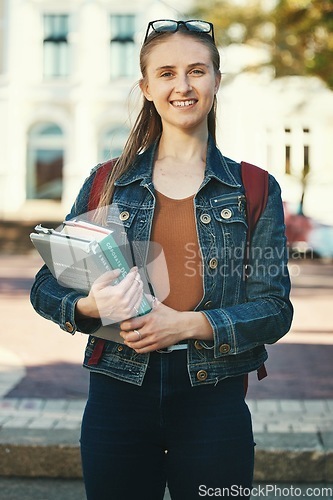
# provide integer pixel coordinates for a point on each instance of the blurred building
(66, 71)
(284, 125)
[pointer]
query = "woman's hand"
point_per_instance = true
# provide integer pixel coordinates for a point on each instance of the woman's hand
(116, 302)
(163, 327)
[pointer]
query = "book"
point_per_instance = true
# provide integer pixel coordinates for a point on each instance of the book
(79, 253)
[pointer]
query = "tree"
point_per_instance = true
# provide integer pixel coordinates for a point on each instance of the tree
(298, 34)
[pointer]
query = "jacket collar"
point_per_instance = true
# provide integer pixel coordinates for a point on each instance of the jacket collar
(217, 167)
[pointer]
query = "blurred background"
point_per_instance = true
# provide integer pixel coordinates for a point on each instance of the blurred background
(67, 71)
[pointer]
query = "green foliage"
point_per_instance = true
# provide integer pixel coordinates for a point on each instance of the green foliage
(298, 34)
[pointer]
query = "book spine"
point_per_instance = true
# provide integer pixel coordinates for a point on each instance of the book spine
(117, 260)
(104, 264)
(93, 264)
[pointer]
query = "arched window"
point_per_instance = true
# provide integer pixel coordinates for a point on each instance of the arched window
(45, 159)
(112, 142)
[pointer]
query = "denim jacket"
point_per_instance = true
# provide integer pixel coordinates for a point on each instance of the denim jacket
(244, 315)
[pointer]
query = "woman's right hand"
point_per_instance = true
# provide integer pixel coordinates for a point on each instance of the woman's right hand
(116, 302)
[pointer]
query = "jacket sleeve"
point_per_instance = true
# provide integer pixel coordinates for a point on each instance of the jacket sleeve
(267, 313)
(55, 302)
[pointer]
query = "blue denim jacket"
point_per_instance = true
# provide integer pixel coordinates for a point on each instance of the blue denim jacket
(244, 315)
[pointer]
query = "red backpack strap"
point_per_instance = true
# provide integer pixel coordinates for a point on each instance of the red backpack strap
(95, 193)
(99, 180)
(255, 182)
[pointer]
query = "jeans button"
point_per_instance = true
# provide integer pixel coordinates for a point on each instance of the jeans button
(213, 263)
(69, 327)
(202, 375)
(124, 215)
(226, 213)
(224, 348)
(208, 304)
(198, 345)
(205, 218)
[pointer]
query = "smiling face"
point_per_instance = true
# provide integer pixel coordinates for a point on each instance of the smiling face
(181, 81)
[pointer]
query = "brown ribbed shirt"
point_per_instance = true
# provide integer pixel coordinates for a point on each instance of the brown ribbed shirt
(174, 229)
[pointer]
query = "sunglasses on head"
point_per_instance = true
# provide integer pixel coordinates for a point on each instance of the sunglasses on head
(170, 26)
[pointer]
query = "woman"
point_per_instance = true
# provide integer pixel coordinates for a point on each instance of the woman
(167, 405)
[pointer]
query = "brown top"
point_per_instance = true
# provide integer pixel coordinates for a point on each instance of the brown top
(174, 228)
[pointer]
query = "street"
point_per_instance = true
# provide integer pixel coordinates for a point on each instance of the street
(299, 365)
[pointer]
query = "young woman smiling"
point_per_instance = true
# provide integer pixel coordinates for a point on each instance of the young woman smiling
(167, 406)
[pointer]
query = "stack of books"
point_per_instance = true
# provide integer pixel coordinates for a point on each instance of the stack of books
(79, 253)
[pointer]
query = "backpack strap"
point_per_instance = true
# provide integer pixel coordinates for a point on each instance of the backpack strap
(255, 182)
(100, 179)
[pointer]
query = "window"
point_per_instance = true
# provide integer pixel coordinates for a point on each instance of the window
(122, 46)
(45, 161)
(297, 162)
(306, 153)
(112, 143)
(56, 48)
(287, 152)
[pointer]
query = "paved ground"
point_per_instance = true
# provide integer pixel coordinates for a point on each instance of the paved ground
(46, 489)
(39, 360)
(269, 415)
(43, 388)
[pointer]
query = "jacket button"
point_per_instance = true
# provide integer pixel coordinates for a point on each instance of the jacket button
(208, 304)
(205, 218)
(224, 348)
(120, 348)
(198, 345)
(124, 215)
(226, 213)
(69, 327)
(92, 340)
(213, 263)
(202, 375)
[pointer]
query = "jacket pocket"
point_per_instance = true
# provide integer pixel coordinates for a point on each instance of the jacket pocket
(229, 208)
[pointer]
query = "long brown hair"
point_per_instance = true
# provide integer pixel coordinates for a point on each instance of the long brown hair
(148, 125)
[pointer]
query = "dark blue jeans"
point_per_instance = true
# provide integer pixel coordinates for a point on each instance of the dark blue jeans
(136, 439)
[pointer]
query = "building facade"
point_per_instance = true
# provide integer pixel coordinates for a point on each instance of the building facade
(66, 73)
(67, 70)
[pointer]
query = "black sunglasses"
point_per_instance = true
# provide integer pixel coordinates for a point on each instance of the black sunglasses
(170, 26)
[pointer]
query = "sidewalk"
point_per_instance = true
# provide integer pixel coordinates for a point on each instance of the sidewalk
(39, 438)
(293, 430)
(73, 489)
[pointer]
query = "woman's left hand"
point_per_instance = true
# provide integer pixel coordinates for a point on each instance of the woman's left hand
(163, 327)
